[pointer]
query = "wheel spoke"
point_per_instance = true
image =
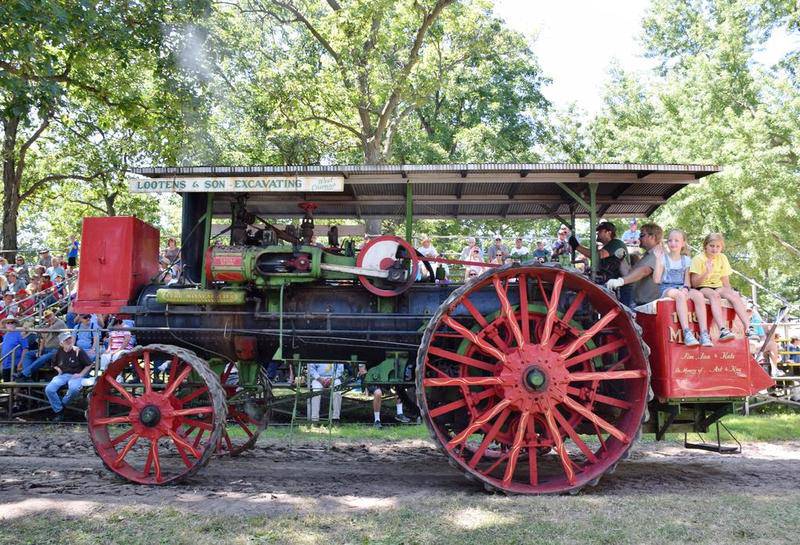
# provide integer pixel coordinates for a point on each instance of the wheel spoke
(173, 384)
(513, 454)
(567, 317)
(156, 459)
(589, 333)
(524, 313)
(474, 339)
(591, 417)
(197, 393)
(147, 378)
(478, 423)
(607, 375)
(243, 424)
(125, 450)
(463, 381)
(575, 437)
(197, 437)
(196, 424)
(116, 400)
(182, 453)
(508, 312)
(533, 470)
(109, 420)
(542, 291)
(600, 398)
(112, 381)
(194, 410)
(457, 404)
(227, 439)
(121, 437)
(563, 456)
(488, 438)
(573, 307)
(552, 307)
(179, 441)
(595, 352)
(466, 360)
(481, 321)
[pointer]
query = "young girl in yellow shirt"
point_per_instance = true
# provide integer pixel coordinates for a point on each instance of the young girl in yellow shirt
(710, 273)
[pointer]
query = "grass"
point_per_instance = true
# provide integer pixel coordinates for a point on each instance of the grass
(649, 517)
(771, 427)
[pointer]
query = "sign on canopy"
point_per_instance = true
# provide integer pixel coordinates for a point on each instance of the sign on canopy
(231, 184)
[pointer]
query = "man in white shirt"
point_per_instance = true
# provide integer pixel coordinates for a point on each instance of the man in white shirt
(467, 252)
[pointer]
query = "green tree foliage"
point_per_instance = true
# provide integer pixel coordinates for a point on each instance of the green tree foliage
(715, 104)
(374, 81)
(64, 58)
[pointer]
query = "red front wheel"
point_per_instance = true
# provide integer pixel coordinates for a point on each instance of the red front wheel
(154, 432)
(533, 380)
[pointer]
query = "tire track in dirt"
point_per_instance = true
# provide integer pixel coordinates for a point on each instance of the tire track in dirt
(60, 466)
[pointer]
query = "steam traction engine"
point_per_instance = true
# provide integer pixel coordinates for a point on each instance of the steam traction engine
(531, 378)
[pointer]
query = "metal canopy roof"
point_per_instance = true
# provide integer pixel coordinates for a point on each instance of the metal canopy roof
(522, 191)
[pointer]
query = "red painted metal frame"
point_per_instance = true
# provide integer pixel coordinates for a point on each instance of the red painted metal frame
(725, 370)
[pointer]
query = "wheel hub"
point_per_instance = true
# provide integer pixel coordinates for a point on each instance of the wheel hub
(536, 379)
(533, 375)
(150, 416)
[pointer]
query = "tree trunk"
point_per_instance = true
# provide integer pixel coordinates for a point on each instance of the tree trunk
(373, 154)
(110, 200)
(10, 186)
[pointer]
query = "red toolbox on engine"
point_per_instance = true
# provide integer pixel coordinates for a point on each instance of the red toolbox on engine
(119, 255)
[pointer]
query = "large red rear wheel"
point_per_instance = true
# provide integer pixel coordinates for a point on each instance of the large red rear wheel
(141, 429)
(533, 380)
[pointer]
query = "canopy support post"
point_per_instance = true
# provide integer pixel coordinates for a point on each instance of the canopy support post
(592, 228)
(590, 207)
(409, 213)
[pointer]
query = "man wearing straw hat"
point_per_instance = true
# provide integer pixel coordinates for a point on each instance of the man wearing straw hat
(13, 347)
(72, 365)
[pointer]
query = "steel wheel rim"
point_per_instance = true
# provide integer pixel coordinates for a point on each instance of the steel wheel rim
(154, 420)
(497, 420)
(240, 416)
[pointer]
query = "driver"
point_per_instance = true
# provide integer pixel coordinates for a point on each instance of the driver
(614, 259)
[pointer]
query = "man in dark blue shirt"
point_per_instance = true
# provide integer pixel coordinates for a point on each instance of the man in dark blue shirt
(13, 348)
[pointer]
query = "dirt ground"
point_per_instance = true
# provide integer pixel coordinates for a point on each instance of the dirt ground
(58, 471)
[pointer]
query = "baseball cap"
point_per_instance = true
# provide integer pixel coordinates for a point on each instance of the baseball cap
(607, 226)
(47, 313)
(63, 336)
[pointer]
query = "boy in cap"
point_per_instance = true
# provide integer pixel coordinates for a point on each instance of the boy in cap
(13, 347)
(48, 345)
(519, 252)
(540, 254)
(72, 365)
